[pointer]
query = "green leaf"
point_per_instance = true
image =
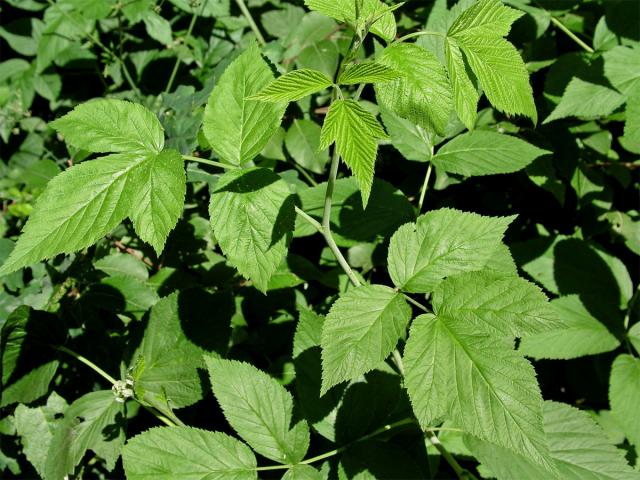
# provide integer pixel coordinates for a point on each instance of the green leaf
(477, 381)
(303, 143)
(360, 331)
(108, 125)
(411, 140)
(602, 101)
(83, 428)
(422, 95)
(368, 72)
(121, 264)
(579, 450)
(634, 336)
(87, 201)
(486, 153)
(579, 334)
(166, 453)
(442, 243)
(237, 128)
(259, 409)
(355, 133)
(622, 68)
(293, 86)
(624, 391)
(253, 217)
(302, 472)
(345, 11)
(485, 18)
(631, 139)
(465, 94)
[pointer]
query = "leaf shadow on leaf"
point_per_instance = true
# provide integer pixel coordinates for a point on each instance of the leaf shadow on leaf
(114, 430)
(286, 220)
(380, 460)
(205, 318)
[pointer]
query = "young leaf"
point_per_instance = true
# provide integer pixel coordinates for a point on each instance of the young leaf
(166, 453)
(87, 201)
(237, 128)
(442, 243)
(422, 95)
(355, 133)
(108, 125)
(253, 217)
(293, 86)
(579, 450)
(478, 382)
(486, 153)
(259, 409)
(368, 72)
(624, 391)
(360, 331)
(465, 94)
(579, 334)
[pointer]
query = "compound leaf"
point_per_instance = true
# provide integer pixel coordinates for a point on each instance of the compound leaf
(259, 409)
(485, 18)
(166, 453)
(465, 94)
(253, 218)
(360, 331)
(368, 72)
(624, 391)
(238, 128)
(293, 86)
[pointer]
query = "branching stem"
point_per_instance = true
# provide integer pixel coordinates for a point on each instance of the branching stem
(425, 185)
(570, 34)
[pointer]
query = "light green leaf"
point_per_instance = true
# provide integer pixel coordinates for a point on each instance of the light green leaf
(422, 95)
(158, 27)
(624, 391)
(465, 94)
(579, 449)
(477, 381)
(579, 334)
(302, 472)
(631, 139)
(494, 303)
(87, 201)
(109, 125)
(303, 144)
(355, 133)
(253, 217)
(602, 101)
(82, 429)
(485, 18)
(237, 128)
(486, 153)
(345, 11)
(259, 409)
(622, 68)
(442, 243)
(634, 336)
(121, 264)
(411, 140)
(360, 331)
(368, 72)
(166, 453)
(293, 86)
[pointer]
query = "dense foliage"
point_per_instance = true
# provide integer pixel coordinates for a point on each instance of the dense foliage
(320, 239)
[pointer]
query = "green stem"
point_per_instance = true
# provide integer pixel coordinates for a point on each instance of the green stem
(416, 303)
(210, 162)
(176, 65)
(425, 185)
(247, 14)
(570, 34)
(460, 472)
(87, 362)
(419, 34)
(309, 219)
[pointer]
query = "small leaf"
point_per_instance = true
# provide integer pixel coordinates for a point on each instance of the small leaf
(237, 128)
(293, 86)
(355, 133)
(442, 243)
(360, 331)
(465, 94)
(259, 409)
(302, 472)
(486, 153)
(368, 72)
(166, 453)
(624, 391)
(108, 125)
(253, 217)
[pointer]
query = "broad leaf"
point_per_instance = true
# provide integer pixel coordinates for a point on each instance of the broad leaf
(485, 18)
(631, 139)
(253, 217)
(465, 93)
(259, 409)
(368, 72)
(411, 140)
(624, 391)
(477, 381)
(355, 133)
(360, 331)
(579, 450)
(303, 143)
(622, 68)
(602, 101)
(293, 86)
(87, 201)
(188, 453)
(237, 128)
(486, 153)
(108, 125)
(579, 334)
(422, 95)
(442, 243)
(121, 264)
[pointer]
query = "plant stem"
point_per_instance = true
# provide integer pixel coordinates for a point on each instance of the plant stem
(460, 472)
(416, 303)
(247, 14)
(419, 34)
(87, 362)
(210, 162)
(309, 219)
(397, 358)
(176, 65)
(570, 34)
(425, 185)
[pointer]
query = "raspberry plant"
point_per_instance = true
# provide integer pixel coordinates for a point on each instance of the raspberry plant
(410, 355)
